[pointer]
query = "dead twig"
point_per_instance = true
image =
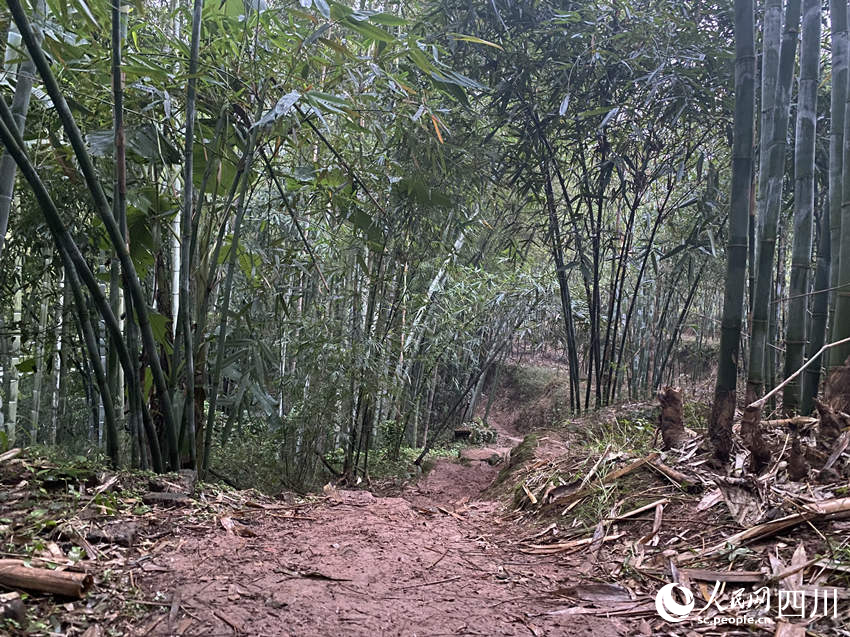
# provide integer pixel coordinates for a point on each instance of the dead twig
(420, 585)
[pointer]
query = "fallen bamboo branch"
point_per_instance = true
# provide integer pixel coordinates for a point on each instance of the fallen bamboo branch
(595, 467)
(8, 455)
(529, 494)
(546, 549)
(814, 511)
(680, 479)
(798, 421)
(792, 570)
(16, 574)
(707, 575)
(839, 448)
(645, 507)
(629, 468)
(758, 404)
(656, 525)
(611, 477)
(711, 575)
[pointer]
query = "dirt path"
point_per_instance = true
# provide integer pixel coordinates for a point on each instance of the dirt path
(361, 565)
(437, 560)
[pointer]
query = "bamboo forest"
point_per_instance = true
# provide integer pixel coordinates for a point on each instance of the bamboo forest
(425, 317)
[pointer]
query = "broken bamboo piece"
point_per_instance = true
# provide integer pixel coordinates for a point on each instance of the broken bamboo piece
(16, 574)
(839, 448)
(680, 479)
(814, 511)
(751, 420)
(8, 455)
(645, 507)
(546, 549)
(529, 494)
(798, 421)
(759, 404)
(575, 496)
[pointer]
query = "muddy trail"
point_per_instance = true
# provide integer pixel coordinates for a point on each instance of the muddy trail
(438, 558)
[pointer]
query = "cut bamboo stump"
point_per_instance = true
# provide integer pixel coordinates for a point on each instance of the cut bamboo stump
(16, 574)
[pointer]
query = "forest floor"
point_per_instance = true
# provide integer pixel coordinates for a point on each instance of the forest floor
(572, 533)
(438, 558)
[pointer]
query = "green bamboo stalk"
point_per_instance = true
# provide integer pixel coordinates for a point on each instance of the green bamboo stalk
(56, 377)
(72, 260)
(769, 213)
(723, 409)
(841, 318)
(92, 349)
(12, 404)
(232, 257)
(820, 307)
(35, 409)
(184, 325)
(804, 199)
(771, 38)
(13, 143)
(119, 206)
(105, 213)
(20, 107)
(838, 97)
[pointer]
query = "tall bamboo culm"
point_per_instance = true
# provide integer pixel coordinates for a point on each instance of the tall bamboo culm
(841, 317)
(723, 410)
(770, 206)
(804, 200)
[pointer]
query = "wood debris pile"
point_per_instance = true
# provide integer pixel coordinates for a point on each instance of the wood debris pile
(76, 537)
(642, 521)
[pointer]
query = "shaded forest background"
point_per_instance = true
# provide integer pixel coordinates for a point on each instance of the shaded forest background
(281, 238)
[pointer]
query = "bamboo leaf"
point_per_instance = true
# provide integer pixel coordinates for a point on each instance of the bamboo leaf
(323, 8)
(471, 38)
(369, 31)
(281, 109)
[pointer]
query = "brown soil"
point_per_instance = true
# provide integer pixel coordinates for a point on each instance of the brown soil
(435, 561)
(365, 566)
(439, 558)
